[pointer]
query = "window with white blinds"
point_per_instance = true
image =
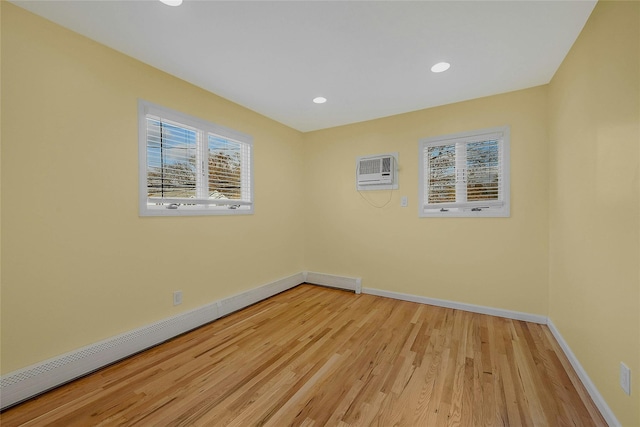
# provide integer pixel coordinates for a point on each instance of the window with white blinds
(189, 166)
(465, 174)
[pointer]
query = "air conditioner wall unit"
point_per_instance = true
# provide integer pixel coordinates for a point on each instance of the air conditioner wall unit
(376, 170)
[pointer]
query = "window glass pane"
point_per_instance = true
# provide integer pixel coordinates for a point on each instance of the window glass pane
(483, 170)
(441, 167)
(171, 160)
(225, 168)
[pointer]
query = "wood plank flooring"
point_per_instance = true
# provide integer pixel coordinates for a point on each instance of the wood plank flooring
(315, 356)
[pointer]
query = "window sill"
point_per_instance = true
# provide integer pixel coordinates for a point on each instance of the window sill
(146, 211)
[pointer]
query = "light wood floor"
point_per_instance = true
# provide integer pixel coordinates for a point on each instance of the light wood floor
(314, 356)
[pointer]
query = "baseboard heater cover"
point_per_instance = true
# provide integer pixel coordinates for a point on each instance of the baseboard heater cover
(341, 282)
(26, 383)
(36, 379)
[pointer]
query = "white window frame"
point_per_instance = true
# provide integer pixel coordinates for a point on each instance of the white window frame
(462, 208)
(199, 205)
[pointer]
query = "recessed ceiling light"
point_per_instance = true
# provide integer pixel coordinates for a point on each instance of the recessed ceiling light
(440, 67)
(172, 2)
(320, 100)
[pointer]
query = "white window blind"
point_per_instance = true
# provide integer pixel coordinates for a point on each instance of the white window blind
(226, 175)
(171, 159)
(465, 174)
(192, 167)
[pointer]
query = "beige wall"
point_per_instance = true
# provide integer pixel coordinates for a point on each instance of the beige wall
(595, 201)
(78, 264)
(496, 262)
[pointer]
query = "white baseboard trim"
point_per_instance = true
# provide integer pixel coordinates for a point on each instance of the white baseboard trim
(602, 406)
(516, 315)
(341, 282)
(26, 383)
(606, 412)
(23, 384)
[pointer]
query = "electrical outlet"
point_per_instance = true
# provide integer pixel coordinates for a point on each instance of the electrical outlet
(177, 298)
(404, 202)
(625, 378)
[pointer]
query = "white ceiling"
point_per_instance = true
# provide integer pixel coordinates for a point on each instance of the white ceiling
(369, 59)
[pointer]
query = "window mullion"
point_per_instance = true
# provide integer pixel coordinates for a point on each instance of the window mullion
(461, 172)
(201, 166)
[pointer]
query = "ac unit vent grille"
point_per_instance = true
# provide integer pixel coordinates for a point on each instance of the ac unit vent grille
(370, 166)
